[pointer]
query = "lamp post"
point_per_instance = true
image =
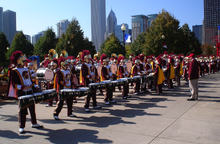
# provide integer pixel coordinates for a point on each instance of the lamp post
(163, 36)
(123, 28)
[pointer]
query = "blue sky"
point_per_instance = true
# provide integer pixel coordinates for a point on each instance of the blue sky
(34, 16)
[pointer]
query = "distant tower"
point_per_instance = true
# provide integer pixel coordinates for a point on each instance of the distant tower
(139, 25)
(61, 27)
(98, 22)
(9, 24)
(111, 22)
(36, 37)
(1, 19)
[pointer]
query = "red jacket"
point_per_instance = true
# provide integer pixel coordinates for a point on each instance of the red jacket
(193, 72)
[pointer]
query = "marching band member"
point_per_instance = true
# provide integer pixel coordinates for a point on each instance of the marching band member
(50, 85)
(179, 69)
(185, 72)
(142, 64)
(134, 72)
(30, 68)
(202, 66)
(159, 75)
(122, 73)
(170, 73)
(63, 81)
(23, 85)
(212, 65)
(148, 69)
(106, 74)
(87, 76)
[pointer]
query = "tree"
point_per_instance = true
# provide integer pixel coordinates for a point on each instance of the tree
(111, 45)
(4, 44)
(73, 40)
(45, 43)
(20, 43)
(138, 45)
(128, 51)
(166, 25)
(207, 49)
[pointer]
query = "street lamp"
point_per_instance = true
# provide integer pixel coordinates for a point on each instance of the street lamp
(123, 28)
(214, 47)
(163, 36)
(7, 48)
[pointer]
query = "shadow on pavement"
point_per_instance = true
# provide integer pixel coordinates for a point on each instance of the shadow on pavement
(12, 135)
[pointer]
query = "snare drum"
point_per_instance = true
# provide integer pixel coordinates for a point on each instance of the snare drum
(44, 74)
(49, 94)
(136, 78)
(129, 79)
(38, 97)
(84, 91)
(67, 93)
(93, 86)
(114, 83)
(105, 84)
(25, 101)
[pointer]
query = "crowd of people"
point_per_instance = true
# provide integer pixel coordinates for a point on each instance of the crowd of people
(73, 73)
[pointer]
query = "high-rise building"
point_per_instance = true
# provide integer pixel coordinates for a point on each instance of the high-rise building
(98, 22)
(119, 32)
(61, 27)
(9, 24)
(1, 19)
(111, 22)
(36, 37)
(28, 37)
(198, 30)
(139, 25)
(151, 17)
(211, 19)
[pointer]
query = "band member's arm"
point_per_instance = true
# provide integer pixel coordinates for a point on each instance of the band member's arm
(59, 79)
(85, 72)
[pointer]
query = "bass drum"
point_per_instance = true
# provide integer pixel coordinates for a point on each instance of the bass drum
(114, 68)
(44, 74)
(129, 66)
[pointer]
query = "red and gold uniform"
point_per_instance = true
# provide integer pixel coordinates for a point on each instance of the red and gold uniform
(135, 71)
(159, 75)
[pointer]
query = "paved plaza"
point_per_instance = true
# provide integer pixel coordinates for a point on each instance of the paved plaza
(147, 118)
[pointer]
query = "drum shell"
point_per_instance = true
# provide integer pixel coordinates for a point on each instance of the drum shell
(26, 102)
(67, 94)
(38, 98)
(49, 96)
(94, 87)
(83, 92)
(136, 79)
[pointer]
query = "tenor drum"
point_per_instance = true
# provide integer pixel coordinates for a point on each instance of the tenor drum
(45, 74)
(114, 83)
(25, 101)
(105, 84)
(94, 86)
(84, 91)
(38, 97)
(136, 78)
(129, 79)
(67, 93)
(49, 94)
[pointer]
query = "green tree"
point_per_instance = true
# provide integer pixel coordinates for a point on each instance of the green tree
(73, 40)
(207, 49)
(45, 43)
(4, 44)
(138, 45)
(20, 43)
(111, 45)
(128, 51)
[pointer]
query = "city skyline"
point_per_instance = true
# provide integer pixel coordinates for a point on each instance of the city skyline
(31, 20)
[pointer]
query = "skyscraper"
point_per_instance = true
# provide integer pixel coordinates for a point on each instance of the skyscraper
(198, 30)
(111, 22)
(1, 19)
(119, 33)
(9, 24)
(151, 17)
(139, 25)
(36, 37)
(211, 19)
(98, 22)
(61, 27)
(28, 37)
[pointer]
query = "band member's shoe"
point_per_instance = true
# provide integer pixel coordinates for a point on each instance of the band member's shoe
(107, 103)
(87, 110)
(124, 98)
(128, 96)
(21, 131)
(136, 93)
(36, 126)
(100, 94)
(48, 105)
(72, 115)
(97, 107)
(112, 101)
(56, 117)
(191, 99)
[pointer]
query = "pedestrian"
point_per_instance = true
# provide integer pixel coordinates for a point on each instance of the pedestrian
(193, 76)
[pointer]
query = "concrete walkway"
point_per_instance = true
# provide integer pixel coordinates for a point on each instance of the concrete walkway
(147, 118)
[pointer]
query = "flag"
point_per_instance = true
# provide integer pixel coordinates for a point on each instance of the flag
(127, 38)
(164, 45)
(219, 27)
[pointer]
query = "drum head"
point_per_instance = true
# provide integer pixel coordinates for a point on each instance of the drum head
(129, 66)
(99, 69)
(114, 68)
(49, 75)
